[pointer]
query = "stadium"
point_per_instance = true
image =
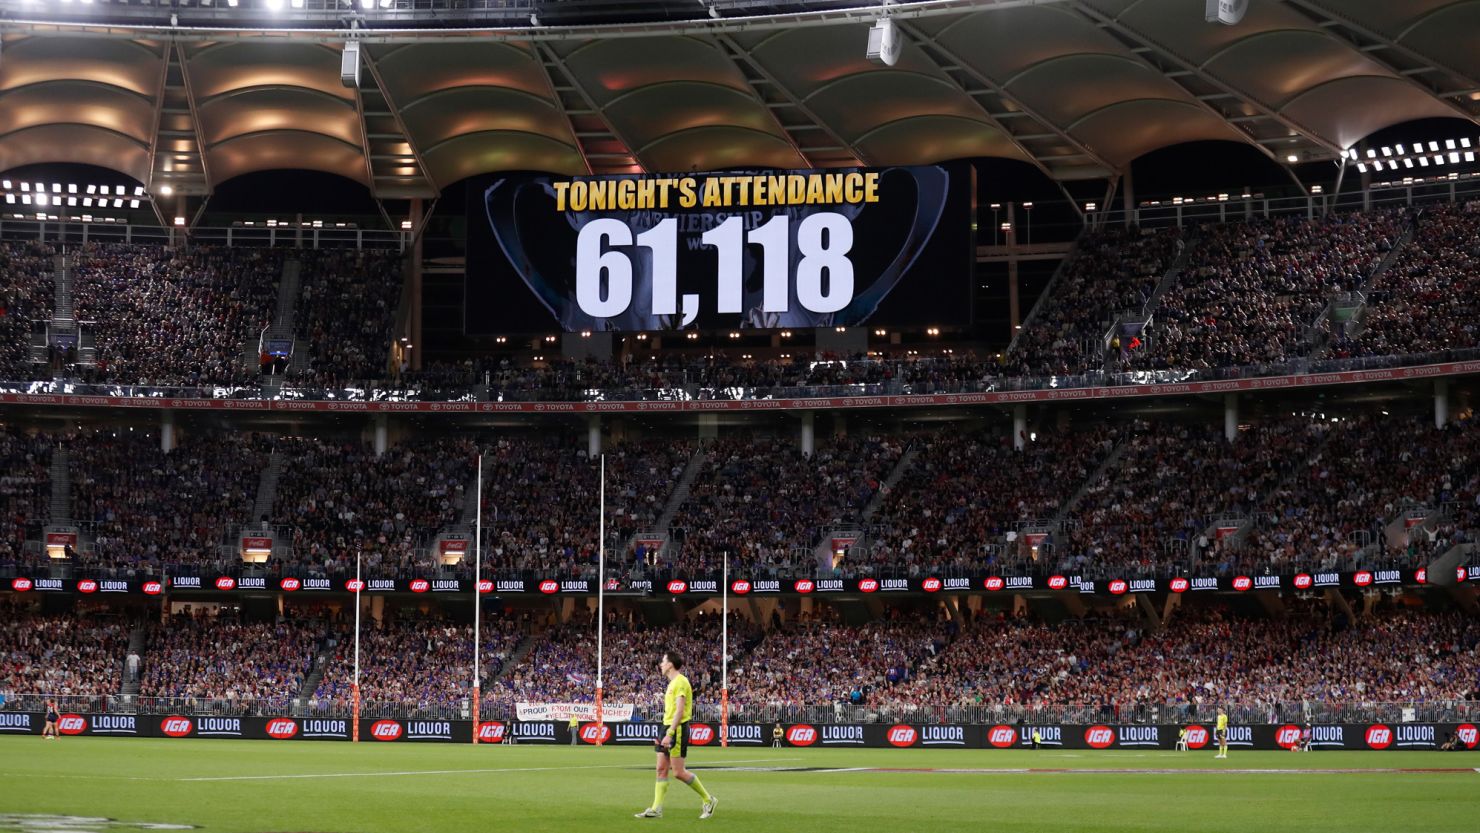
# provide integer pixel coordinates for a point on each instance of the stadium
(1042, 415)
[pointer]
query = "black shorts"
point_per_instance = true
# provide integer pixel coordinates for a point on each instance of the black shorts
(52, 717)
(680, 742)
(1220, 734)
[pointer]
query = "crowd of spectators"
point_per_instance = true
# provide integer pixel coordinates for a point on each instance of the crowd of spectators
(1204, 657)
(26, 296)
(61, 655)
(174, 316)
(1340, 501)
(1247, 295)
(1150, 511)
(561, 665)
(1252, 290)
(339, 499)
(818, 660)
(1300, 492)
(765, 502)
(906, 663)
(1429, 299)
(541, 500)
(1010, 661)
(345, 313)
(1209, 656)
(940, 519)
(257, 666)
(25, 488)
(145, 508)
(418, 662)
(1111, 273)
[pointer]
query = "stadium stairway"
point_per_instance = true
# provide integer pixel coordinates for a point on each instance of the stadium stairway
(1067, 510)
(1048, 289)
(681, 489)
(520, 652)
(1319, 337)
(267, 487)
(61, 486)
(1140, 321)
(1240, 538)
(901, 467)
(469, 517)
(284, 320)
(136, 638)
(1169, 278)
(315, 675)
(62, 314)
(290, 283)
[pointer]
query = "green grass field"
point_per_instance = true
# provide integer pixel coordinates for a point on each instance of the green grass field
(250, 786)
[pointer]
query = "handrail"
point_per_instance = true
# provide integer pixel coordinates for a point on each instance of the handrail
(499, 704)
(1298, 371)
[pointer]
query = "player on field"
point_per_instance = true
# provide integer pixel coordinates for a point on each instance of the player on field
(1221, 732)
(678, 709)
(50, 729)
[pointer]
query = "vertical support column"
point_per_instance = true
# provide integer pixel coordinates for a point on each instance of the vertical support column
(708, 426)
(1014, 304)
(1128, 197)
(1014, 311)
(1148, 611)
(382, 434)
(593, 436)
(167, 431)
(1230, 416)
(414, 275)
(1441, 403)
(1019, 426)
(809, 432)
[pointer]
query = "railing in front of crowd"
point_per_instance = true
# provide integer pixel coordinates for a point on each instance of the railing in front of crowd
(1278, 713)
(1190, 209)
(474, 391)
(331, 235)
(621, 567)
(883, 711)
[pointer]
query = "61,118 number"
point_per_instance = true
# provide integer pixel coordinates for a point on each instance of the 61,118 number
(824, 275)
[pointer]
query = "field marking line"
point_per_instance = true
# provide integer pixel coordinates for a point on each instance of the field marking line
(373, 774)
(1126, 771)
(49, 776)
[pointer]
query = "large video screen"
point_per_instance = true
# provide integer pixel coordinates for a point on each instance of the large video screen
(731, 250)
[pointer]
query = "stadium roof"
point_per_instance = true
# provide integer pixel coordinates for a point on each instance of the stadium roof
(1078, 88)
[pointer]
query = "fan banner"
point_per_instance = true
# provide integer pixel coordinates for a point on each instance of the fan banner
(610, 712)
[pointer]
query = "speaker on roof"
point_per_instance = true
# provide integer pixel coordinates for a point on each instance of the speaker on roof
(884, 43)
(349, 65)
(1227, 12)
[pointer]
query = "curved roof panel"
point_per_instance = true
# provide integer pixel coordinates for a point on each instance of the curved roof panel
(1079, 88)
